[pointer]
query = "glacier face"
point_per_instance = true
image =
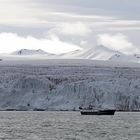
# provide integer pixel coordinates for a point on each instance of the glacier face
(67, 87)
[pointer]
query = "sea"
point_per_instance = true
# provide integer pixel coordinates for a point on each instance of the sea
(59, 125)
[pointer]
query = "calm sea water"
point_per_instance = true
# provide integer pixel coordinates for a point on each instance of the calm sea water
(68, 126)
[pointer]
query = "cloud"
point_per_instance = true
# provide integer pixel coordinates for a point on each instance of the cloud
(76, 29)
(10, 42)
(73, 17)
(118, 42)
(70, 21)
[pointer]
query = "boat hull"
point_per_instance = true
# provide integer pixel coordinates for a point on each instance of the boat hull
(100, 112)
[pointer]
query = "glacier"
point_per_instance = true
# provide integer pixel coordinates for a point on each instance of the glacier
(68, 85)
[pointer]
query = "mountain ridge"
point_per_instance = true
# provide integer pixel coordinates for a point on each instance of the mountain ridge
(29, 52)
(94, 53)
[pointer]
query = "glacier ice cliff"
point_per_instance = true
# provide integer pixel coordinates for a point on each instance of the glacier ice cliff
(60, 87)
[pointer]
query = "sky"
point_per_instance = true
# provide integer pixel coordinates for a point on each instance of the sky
(59, 26)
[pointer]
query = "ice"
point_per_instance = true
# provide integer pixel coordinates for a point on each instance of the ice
(68, 84)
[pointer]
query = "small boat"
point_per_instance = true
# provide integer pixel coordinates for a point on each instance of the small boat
(98, 112)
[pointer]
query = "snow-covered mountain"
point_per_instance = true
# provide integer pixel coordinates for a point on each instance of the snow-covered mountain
(126, 58)
(101, 53)
(94, 53)
(29, 52)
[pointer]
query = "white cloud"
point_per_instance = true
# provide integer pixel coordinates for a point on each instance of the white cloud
(29, 13)
(10, 42)
(118, 42)
(76, 29)
(71, 21)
